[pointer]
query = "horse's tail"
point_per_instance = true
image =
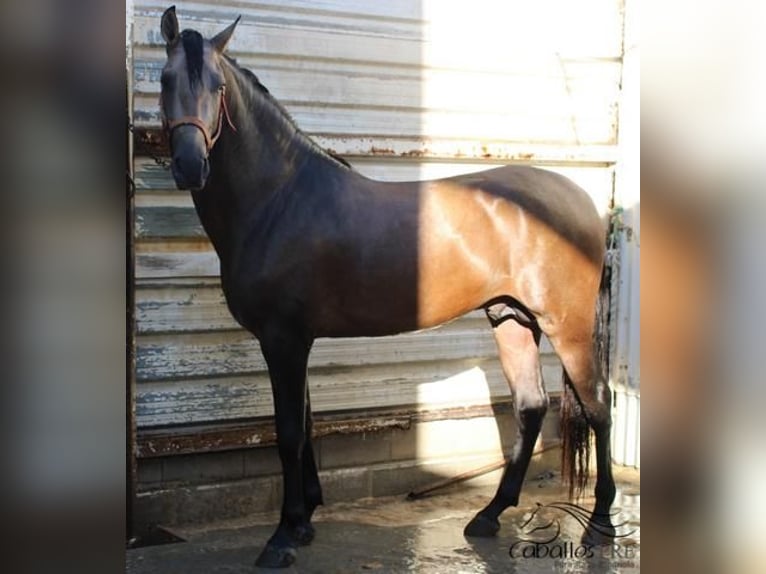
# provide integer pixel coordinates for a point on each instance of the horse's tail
(575, 442)
(575, 430)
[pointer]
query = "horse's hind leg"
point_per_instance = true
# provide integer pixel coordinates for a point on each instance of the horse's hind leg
(575, 349)
(519, 356)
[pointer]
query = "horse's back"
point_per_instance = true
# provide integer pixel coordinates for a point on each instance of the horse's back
(548, 202)
(543, 192)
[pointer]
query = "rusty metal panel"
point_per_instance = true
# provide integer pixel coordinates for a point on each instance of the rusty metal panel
(405, 90)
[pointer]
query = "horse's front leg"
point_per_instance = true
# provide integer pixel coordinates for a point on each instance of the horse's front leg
(286, 352)
(312, 489)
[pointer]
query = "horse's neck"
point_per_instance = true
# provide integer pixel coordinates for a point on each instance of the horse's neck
(248, 166)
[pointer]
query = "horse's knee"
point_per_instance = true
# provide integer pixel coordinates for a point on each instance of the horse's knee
(290, 443)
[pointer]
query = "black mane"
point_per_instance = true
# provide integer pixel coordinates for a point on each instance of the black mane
(263, 93)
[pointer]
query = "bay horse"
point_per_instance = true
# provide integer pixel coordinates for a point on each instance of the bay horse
(310, 248)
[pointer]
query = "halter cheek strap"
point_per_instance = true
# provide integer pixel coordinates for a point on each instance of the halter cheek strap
(223, 111)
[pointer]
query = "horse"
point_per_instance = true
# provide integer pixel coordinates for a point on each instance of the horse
(310, 248)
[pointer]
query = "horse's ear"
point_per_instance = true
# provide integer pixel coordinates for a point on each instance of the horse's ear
(220, 40)
(170, 26)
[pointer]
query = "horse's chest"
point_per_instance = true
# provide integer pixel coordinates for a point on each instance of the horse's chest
(246, 301)
(257, 294)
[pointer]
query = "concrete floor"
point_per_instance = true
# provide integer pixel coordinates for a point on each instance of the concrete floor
(426, 536)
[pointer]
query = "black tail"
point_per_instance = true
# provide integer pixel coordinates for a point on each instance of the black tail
(575, 430)
(575, 442)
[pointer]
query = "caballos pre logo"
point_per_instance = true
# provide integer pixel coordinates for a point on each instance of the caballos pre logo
(541, 535)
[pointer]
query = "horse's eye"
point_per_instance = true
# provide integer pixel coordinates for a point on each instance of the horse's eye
(222, 87)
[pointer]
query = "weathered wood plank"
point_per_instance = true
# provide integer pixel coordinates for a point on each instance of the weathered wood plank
(428, 384)
(237, 352)
(199, 308)
(182, 309)
(231, 353)
(167, 222)
(535, 126)
(403, 10)
(169, 264)
(594, 173)
(261, 432)
(338, 84)
(373, 76)
(211, 438)
(514, 32)
(407, 152)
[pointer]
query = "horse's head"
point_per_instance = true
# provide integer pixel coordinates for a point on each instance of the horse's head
(192, 99)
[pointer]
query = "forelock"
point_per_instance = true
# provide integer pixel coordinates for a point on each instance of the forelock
(193, 44)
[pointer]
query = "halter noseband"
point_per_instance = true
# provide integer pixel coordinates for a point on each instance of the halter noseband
(223, 111)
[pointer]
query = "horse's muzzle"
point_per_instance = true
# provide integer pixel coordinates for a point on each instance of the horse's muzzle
(190, 172)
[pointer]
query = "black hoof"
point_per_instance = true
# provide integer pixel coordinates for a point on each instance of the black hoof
(276, 557)
(482, 527)
(304, 535)
(598, 534)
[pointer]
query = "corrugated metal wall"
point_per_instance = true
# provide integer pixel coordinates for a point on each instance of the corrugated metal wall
(404, 90)
(626, 434)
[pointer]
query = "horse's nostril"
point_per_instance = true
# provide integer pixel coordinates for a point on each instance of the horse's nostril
(189, 166)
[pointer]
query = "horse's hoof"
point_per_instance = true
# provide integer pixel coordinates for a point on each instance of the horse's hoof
(482, 527)
(276, 557)
(303, 535)
(597, 534)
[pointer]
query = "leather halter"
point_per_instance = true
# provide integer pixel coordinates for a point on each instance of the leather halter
(223, 111)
